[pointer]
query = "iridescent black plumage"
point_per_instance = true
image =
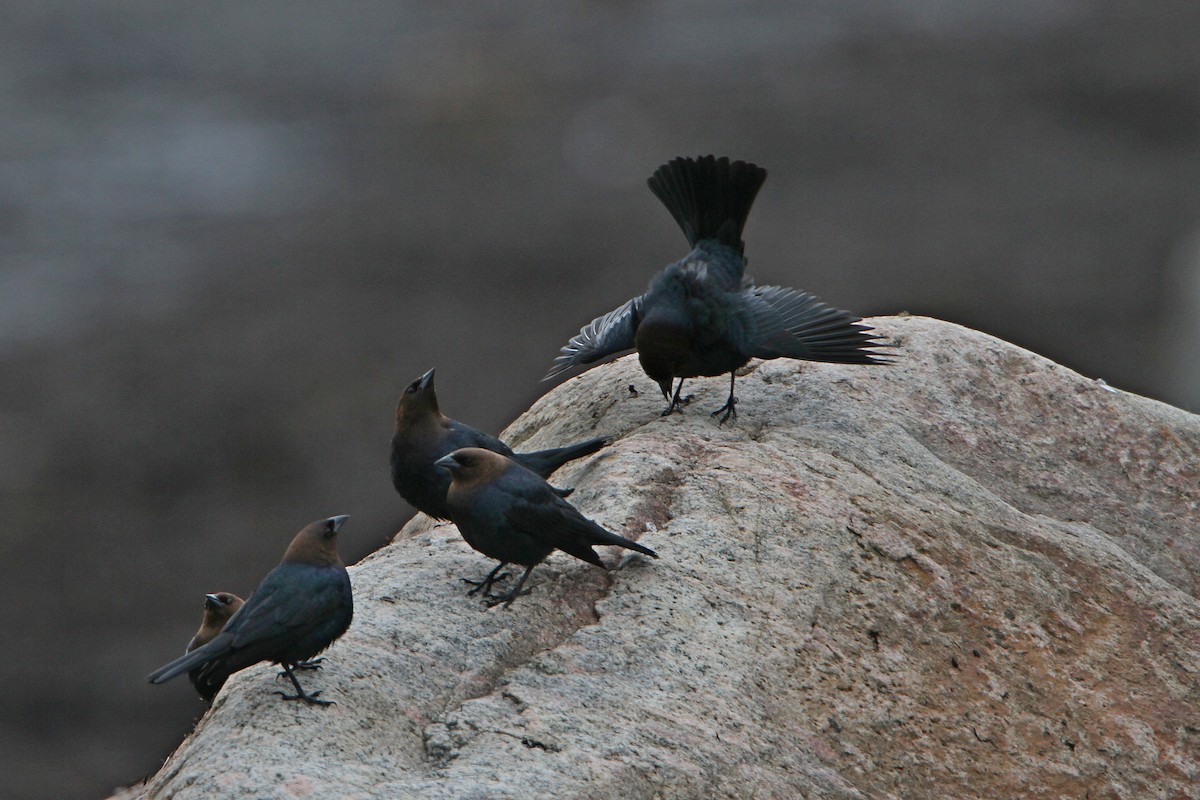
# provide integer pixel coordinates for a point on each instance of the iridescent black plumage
(424, 434)
(509, 513)
(701, 316)
(301, 607)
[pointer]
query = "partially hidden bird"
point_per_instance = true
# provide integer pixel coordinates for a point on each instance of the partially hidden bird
(509, 513)
(218, 608)
(701, 316)
(424, 434)
(301, 607)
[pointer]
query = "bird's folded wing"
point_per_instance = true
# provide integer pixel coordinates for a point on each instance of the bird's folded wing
(284, 609)
(549, 519)
(604, 336)
(787, 322)
(463, 435)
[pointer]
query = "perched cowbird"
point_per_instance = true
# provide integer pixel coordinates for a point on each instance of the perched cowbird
(701, 315)
(424, 434)
(298, 610)
(218, 608)
(508, 513)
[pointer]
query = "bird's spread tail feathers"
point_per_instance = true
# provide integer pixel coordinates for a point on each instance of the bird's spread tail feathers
(709, 197)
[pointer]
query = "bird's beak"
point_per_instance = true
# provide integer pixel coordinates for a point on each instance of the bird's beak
(665, 385)
(446, 462)
(339, 521)
(211, 601)
(427, 379)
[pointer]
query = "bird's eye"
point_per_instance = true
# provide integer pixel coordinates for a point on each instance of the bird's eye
(412, 387)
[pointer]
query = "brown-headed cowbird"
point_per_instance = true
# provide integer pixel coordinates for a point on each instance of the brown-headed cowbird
(701, 315)
(424, 434)
(300, 608)
(509, 513)
(218, 608)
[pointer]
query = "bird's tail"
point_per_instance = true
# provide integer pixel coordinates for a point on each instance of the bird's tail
(620, 541)
(709, 197)
(188, 661)
(545, 462)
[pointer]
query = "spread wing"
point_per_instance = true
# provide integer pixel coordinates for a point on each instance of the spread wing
(604, 336)
(787, 322)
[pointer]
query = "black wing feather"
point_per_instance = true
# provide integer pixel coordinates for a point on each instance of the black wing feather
(284, 611)
(463, 435)
(604, 336)
(794, 324)
(548, 518)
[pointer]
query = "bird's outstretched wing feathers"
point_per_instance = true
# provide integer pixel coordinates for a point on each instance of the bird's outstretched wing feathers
(788, 322)
(604, 336)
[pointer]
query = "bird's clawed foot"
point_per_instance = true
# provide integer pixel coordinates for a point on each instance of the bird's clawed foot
(314, 663)
(563, 492)
(507, 598)
(678, 403)
(484, 586)
(676, 400)
(730, 409)
(311, 699)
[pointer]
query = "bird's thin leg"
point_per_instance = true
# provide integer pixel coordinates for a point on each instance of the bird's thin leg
(730, 407)
(312, 663)
(300, 694)
(508, 598)
(674, 399)
(485, 585)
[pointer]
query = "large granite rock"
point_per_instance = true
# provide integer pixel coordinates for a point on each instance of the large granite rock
(969, 574)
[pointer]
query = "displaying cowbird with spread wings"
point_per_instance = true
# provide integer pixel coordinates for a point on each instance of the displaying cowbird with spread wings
(701, 316)
(424, 434)
(300, 608)
(218, 608)
(508, 513)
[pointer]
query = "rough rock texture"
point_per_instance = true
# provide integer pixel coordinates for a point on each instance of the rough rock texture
(971, 574)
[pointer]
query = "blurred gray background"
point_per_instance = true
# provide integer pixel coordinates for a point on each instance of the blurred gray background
(230, 233)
